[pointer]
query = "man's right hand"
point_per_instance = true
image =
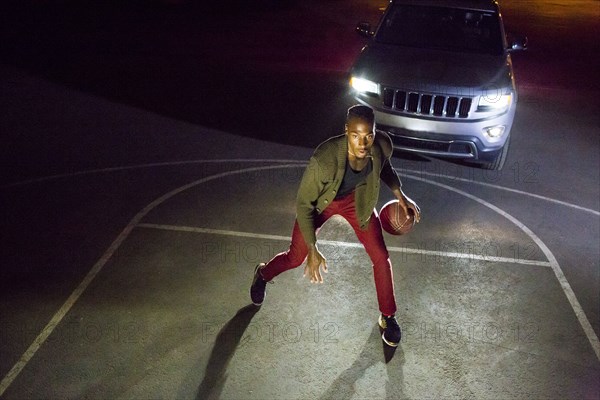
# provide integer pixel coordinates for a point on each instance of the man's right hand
(315, 261)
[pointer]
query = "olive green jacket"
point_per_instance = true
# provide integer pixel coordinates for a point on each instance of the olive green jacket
(323, 177)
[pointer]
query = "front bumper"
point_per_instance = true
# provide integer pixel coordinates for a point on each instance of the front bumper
(446, 137)
(443, 145)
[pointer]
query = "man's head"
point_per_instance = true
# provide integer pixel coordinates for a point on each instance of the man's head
(362, 112)
(360, 123)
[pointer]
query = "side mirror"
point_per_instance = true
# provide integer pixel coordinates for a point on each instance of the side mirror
(364, 29)
(518, 43)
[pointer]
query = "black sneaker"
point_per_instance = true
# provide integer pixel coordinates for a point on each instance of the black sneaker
(258, 288)
(391, 330)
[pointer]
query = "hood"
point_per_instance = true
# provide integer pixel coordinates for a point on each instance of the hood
(432, 70)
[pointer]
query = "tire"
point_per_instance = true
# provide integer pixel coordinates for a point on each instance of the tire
(500, 159)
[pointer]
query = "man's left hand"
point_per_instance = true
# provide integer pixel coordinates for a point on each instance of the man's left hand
(407, 203)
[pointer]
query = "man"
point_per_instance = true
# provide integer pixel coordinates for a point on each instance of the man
(343, 178)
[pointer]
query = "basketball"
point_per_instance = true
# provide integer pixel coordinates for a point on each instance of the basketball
(393, 219)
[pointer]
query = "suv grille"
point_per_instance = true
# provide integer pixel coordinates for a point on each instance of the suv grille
(427, 104)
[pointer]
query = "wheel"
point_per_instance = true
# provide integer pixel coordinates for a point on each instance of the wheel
(500, 159)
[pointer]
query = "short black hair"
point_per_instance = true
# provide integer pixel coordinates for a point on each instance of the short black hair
(363, 112)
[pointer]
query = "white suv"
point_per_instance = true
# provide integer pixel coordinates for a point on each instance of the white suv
(438, 74)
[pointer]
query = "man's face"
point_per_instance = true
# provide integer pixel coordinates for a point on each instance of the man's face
(360, 137)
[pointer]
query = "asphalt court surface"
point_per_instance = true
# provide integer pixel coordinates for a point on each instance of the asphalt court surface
(168, 315)
(163, 310)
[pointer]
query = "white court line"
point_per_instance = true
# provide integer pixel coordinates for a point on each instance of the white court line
(403, 250)
(303, 162)
(64, 309)
(564, 283)
(507, 189)
(142, 166)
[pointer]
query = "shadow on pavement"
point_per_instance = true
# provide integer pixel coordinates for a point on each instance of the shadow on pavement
(225, 346)
(344, 386)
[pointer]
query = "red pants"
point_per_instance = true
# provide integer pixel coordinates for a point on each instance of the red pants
(371, 238)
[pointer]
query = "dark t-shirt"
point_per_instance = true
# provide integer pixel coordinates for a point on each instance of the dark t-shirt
(353, 178)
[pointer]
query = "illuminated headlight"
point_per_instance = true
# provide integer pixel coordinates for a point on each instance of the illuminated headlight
(488, 102)
(364, 85)
(494, 132)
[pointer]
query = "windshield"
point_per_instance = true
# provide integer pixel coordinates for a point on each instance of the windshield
(441, 28)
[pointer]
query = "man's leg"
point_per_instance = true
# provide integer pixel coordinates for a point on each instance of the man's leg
(298, 251)
(289, 259)
(372, 240)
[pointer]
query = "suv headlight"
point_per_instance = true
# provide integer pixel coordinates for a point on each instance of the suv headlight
(487, 103)
(364, 85)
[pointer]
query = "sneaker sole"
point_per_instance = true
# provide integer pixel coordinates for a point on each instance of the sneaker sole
(257, 304)
(391, 344)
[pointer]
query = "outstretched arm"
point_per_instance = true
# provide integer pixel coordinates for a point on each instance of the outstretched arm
(310, 187)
